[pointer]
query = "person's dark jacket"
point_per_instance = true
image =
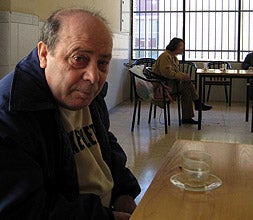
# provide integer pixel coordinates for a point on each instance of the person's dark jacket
(248, 61)
(38, 177)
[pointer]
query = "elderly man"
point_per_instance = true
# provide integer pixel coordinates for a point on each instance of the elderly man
(58, 159)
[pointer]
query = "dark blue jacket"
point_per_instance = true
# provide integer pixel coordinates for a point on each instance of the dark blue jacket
(248, 61)
(38, 178)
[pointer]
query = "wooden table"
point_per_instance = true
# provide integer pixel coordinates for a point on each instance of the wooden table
(229, 73)
(232, 163)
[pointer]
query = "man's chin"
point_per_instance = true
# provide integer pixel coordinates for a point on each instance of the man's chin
(76, 106)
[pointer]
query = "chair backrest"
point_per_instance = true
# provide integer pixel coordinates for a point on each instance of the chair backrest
(144, 61)
(218, 64)
(190, 68)
(143, 86)
(151, 75)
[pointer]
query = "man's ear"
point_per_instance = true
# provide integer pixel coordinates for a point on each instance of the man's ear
(42, 53)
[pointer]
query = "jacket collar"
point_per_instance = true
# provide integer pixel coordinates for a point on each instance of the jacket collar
(29, 90)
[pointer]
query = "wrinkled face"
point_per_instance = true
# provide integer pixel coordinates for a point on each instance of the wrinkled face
(77, 69)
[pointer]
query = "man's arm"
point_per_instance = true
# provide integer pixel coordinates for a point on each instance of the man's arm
(168, 69)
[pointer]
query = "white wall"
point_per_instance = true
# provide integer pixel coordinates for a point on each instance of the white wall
(118, 77)
(19, 34)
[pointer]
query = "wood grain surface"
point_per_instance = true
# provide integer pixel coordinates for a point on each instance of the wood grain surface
(232, 163)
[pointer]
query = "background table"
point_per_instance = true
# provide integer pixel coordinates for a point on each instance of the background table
(233, 200)
(229, 73)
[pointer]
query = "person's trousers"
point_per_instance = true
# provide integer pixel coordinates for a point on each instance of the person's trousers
(188, 95)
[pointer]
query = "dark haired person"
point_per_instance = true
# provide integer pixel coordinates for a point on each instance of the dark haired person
(248, 62)
(248, 65)
(167, 65)
(58, 159)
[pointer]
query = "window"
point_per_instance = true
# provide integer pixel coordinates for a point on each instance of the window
(212, 29)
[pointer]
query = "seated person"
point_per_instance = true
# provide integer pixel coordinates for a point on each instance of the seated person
(248, 62)
(248, 65)
(58, 159)
(167, 65)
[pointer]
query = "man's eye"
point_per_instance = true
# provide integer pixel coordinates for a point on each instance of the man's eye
(103, 65)
(79, 61)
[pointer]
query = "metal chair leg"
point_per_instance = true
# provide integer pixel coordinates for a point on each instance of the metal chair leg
(208, 93)
(150, 113)
(252, 118)
(139, 113)
(134, 114)
(226, 93)
(230, 92)
(204, 90)
(168, 112)
(165, 119)
(154, 116)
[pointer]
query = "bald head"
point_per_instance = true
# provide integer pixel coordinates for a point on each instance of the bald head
(50, 30)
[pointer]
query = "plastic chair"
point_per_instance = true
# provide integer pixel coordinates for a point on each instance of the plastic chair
(218, 81)
(151, 75)
(143, 91)
(190, 68)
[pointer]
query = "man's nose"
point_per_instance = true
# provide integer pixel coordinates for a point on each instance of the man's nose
(91, 73)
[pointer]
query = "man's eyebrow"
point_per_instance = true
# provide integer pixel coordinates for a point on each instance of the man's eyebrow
(107, 56)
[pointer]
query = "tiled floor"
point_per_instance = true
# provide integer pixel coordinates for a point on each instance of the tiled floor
(148, 145)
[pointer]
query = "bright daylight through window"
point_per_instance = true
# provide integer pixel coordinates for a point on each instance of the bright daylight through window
(212, 29)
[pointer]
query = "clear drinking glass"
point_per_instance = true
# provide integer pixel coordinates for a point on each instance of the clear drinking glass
(196, 166)
(205, 66)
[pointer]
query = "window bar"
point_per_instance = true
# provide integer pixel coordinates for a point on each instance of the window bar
(228, 29)
(151, 30)
(249, 24)
(163, 29)
(239, 29)
(177, 20)
(202, 32)
(189, 35)
(235, 35)
(139, 46)
(170, 22)
(157, 28)
(183, 56)
(145, 30)
(195, 29)
(215, 30)
(208, 47)
(136, 26)
(221, 36)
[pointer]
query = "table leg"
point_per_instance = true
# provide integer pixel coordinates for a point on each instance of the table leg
(252, 118)
(247, 100)
(200, 98)
(230, 91)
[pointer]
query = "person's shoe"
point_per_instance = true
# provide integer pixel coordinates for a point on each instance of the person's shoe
(189, 121)
(201, 105)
